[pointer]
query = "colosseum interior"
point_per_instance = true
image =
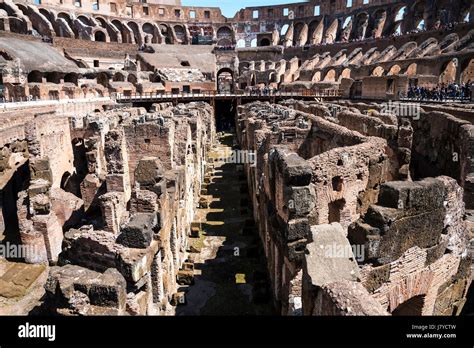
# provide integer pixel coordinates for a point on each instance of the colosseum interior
(312, 158)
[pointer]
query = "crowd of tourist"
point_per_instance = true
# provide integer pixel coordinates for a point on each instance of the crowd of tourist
(442, 92)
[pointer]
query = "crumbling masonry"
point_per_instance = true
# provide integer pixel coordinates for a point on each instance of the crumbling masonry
(113, 114)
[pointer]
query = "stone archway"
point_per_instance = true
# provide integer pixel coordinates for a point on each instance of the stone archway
(449, 71)
(225, 80)
(100, 36)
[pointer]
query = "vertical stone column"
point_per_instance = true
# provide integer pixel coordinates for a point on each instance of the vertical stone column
(118, 177)
(158, 291)
(113, 210)
(174, 245)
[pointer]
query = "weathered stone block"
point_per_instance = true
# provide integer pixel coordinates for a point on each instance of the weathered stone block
(185, 277)
(138, 232)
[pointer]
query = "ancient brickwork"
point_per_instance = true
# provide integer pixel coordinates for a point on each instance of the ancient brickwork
(336, 163)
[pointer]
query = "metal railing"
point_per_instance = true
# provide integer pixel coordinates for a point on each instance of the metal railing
(6, 103)
(216, 94)
(25, 101)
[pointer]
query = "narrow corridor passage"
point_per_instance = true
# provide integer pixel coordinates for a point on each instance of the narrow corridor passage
(229, 263)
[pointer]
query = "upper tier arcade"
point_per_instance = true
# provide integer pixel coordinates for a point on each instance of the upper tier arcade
(165, 21)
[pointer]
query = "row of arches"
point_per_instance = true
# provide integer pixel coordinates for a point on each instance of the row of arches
(36, 76)
(451, 71)
(98, 28)
(398, 19)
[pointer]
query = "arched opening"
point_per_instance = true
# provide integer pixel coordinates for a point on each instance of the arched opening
(118, 77)
(241, 43)
(225, 81)
(150, 30)
(50, 19)
(421, 25)
(99, 36)
(396, 27)
(346, 74)
(315, 32)
(362, 21)
(298, 28)
(253, 43)
(272, 77)
(103, 79)
(467, 74)
(346, 22)
(331, 32)
(449, 71)
(53, 77)
(253, 80)
(35, 76)
(72, 78)
(101, 22)
(156, 78)
(66, 18)
(166, 32)
(180, 33)
(378, 71)
(418, 13)
(124, 32)
(132, 79)
(379, 20)
(264, 42)
(64, 180)
(38, 23)
(346, 29)
(411, 307)
(394, 70)
(80, 165)
(113, 35)
(284, 29)
(9, 227)
(316, 77)
(224, 33)
(136, 32)
(401, 14)
(84, 20)
(330, 76)
(412, 69)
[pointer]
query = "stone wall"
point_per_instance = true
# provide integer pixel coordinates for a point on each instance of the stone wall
(335, 164)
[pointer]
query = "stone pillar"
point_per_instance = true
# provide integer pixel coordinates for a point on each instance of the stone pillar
(113, 209)
(118, 178)
(48, 225)
(89, 189)
(157, 279)
(174, 245)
